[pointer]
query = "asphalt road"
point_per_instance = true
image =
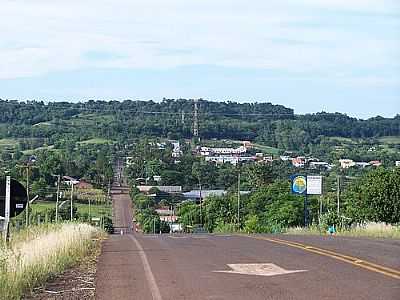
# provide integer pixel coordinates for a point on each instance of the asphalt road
(136, 266)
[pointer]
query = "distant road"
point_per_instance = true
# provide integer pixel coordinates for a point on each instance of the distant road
(136, 266)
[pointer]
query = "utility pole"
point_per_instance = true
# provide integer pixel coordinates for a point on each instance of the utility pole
(238, 201)
(338, 195)
(195, 120)
(58, 196)
(27, 196)
(72, 196)
(201, 205)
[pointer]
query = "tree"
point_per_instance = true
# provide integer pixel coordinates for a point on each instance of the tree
(376, 197)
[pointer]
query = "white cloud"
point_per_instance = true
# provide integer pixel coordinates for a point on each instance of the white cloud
(42, 36)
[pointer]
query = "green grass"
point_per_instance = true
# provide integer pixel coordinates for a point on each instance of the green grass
(371, 230)
(8, 142)
(95, 141)
(32, 151)
(267, 149)
(390, 140)
(96, 210)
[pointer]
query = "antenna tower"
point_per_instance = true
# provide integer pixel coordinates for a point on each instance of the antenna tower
(196, 119)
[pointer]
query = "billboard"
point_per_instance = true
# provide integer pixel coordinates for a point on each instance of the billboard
(314, 185)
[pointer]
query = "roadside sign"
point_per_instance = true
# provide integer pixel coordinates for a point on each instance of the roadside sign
(17, 198)
(314, 185)
(298, 184)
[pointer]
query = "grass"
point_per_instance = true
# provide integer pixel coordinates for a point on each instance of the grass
(267, 149)
(96, 141)
(38, 253)
(32, 151)
(96, 210)
(391, 140)
(372, 230)
(8, 142)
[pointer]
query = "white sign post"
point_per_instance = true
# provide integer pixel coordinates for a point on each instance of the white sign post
(314, 185)
(7, 208)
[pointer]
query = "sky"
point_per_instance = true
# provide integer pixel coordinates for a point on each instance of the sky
(310, 55)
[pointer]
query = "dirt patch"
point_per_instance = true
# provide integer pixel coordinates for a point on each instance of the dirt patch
(75, 283)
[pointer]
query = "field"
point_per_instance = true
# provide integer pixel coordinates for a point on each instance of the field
(95, 210)
(267, 149)
(390, 140)
(95, 141)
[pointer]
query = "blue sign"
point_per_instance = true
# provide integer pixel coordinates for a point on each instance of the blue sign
(298, 184)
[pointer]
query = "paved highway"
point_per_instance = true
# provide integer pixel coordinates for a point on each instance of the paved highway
(136, 266)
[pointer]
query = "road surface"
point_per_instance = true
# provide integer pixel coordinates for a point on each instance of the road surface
(136, 266)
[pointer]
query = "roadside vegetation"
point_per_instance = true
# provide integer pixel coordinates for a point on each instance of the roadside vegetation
(39, 253)
(370, 230)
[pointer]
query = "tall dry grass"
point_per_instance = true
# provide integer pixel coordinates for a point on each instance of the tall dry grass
(372, 230)
(35, 255)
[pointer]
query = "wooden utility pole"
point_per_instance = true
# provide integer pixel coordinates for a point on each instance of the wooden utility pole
(27, 196)
(338, 195)
(58, 196)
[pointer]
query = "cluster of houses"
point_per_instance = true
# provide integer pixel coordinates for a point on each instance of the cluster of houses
(348, 163)
(221, 155)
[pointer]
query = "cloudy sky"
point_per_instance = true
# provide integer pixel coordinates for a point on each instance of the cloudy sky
(311, 55)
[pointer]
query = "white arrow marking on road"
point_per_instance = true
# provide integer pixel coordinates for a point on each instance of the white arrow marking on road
(258, 269)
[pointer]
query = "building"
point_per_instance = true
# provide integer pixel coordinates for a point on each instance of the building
(284, 157)
(176, 151)
(362, 164)
(375, 163)
(346, 163)
(299, 162)
(320, 164)
(234, 160)
(397, 163)
(207, 151)
(84, 185)
(171, 189)
(68, 180)
(195, 195)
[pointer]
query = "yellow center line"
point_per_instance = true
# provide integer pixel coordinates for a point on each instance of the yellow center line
(338, 256)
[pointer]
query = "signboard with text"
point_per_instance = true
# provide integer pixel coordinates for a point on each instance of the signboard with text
(314, 185)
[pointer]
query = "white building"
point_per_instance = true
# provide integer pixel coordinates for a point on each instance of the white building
(397, 163)
(206, 151)
(176, 152)
(234, 160)
(346, 163)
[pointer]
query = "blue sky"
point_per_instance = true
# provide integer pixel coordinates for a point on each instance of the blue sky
(310, 55)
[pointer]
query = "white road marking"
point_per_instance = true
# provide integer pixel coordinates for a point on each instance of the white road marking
(267, 269)
(155, 292)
